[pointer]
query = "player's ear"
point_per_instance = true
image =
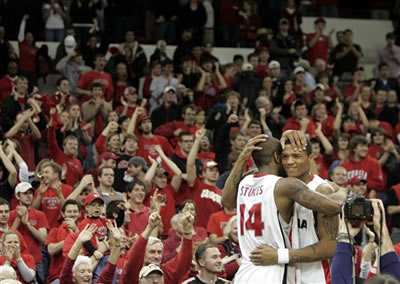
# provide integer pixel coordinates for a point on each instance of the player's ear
(277, 158)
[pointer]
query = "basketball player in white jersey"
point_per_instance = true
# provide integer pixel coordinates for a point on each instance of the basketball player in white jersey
(265, 205)
(310, 269)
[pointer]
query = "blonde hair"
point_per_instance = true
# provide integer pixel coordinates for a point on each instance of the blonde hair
(229, 225)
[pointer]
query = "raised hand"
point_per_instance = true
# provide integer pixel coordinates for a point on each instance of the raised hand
(115, 232)
(200, 133)
(155, 201)
(250, 146)
(187, 222)
(87, 233)
(296, 138)
(154, 220)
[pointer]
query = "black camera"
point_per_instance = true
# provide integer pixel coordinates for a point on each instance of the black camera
(358, 208)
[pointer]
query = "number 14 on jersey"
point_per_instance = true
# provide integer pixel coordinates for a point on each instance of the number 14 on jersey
(254, 221)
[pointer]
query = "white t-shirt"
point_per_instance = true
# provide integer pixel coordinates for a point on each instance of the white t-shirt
(54, 21)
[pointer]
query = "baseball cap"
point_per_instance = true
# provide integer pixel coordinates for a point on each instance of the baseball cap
(142, 118)
(247, 67)
(283, 21)
(352, 129)
(356, 180)
(92, 197)
(139, 161)
(23, 187)
(161, 172)
(107, 156)
(320, 86)
(69, 43)
(298, 69)
(210, 164)
(169, 89)
(146, 270)
(274, 64)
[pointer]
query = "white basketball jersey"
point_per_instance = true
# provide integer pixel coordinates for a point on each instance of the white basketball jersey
(303, 235)
(259, 223)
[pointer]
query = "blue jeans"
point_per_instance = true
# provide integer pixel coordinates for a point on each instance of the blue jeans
(329, 11)
(54, 34)
(167, 31)
(39, 272)
(56, 281)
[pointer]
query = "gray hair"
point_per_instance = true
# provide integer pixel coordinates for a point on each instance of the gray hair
(260, 101)
(153, 240)
(7, 273)
(81, 259)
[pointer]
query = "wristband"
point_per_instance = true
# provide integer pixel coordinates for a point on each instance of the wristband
(283, 256)
(345, 237)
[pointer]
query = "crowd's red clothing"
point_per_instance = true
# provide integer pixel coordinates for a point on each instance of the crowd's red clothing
(227, 248)
(138, 220)
(89, 78)
(388, 129)
(6, 85)
(374, 151)
(106, 276)
(130, 111)
(167, 206)
(262, 71)
(119, 91)
(147, 146)
(349, 90)
(101, 231)
(294, 124)
(50, 204)
(27, 258)
(101, 144)
(27, 57)
(323, 164)
(173, 242)
(56, 235)
(38, 220)
(146, 86)
(217, 222)
(167, 130)
(28, 150)
(327, 126)
(206, 156)
(368, 169)
(208, 201)
(173, 270)
(319, 50)
(74, 166)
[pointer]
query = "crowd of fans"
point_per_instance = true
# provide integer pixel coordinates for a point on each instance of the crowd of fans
(95, 175)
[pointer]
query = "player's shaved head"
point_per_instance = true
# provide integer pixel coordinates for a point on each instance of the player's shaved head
(265, 156)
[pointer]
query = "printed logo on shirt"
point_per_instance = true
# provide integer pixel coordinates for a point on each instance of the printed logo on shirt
(103, 82)
(211, 195)
(33, 222)
(302, 224)
(51, 203)
(361, 174)
(102, 231)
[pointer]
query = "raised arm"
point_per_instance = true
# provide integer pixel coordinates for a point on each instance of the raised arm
(21, 32)
(229, 192)
(148, 178)
(191, 160)
(132, 123)
(177, 178)
(85, 182)
(25, 116)
(12, 172)
(324, 141)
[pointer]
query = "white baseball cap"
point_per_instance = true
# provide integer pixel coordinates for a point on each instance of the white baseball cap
(146, 270)
(69, 43)
(23, 187)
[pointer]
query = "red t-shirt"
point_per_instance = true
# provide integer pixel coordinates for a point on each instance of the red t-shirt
(349, 90)
(322, 166)
(56, 235)
(27, 258)
(217, 222)
(101, 231)
(138, 220)
(129, 113)
(28, 152)
(27, 57)
(147, 146)
(294, 124)
(50, 204)
(319, 50)
(167, 207)
(6, 86)
(74, 166)
(208, 201)
(38, 220)
(89, 78)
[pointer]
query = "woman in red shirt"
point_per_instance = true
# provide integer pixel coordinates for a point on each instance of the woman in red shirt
(27, 51)
(23, 264)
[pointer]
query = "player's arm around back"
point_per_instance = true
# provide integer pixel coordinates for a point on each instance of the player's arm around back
(229, 193)
(290, 190)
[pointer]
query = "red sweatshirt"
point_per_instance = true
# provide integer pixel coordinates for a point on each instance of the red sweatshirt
(74, 166)
(293, 123)
(368, 169)
(173, 270)
(167, 130)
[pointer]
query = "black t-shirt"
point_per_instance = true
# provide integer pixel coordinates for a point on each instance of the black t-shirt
(197, 280)
(348, 63)
(6, 191)
(393, 201)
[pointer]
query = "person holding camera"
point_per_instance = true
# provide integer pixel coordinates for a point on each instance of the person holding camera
(353, 218)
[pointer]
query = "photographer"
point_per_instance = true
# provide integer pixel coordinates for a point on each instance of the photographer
(341, 269)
